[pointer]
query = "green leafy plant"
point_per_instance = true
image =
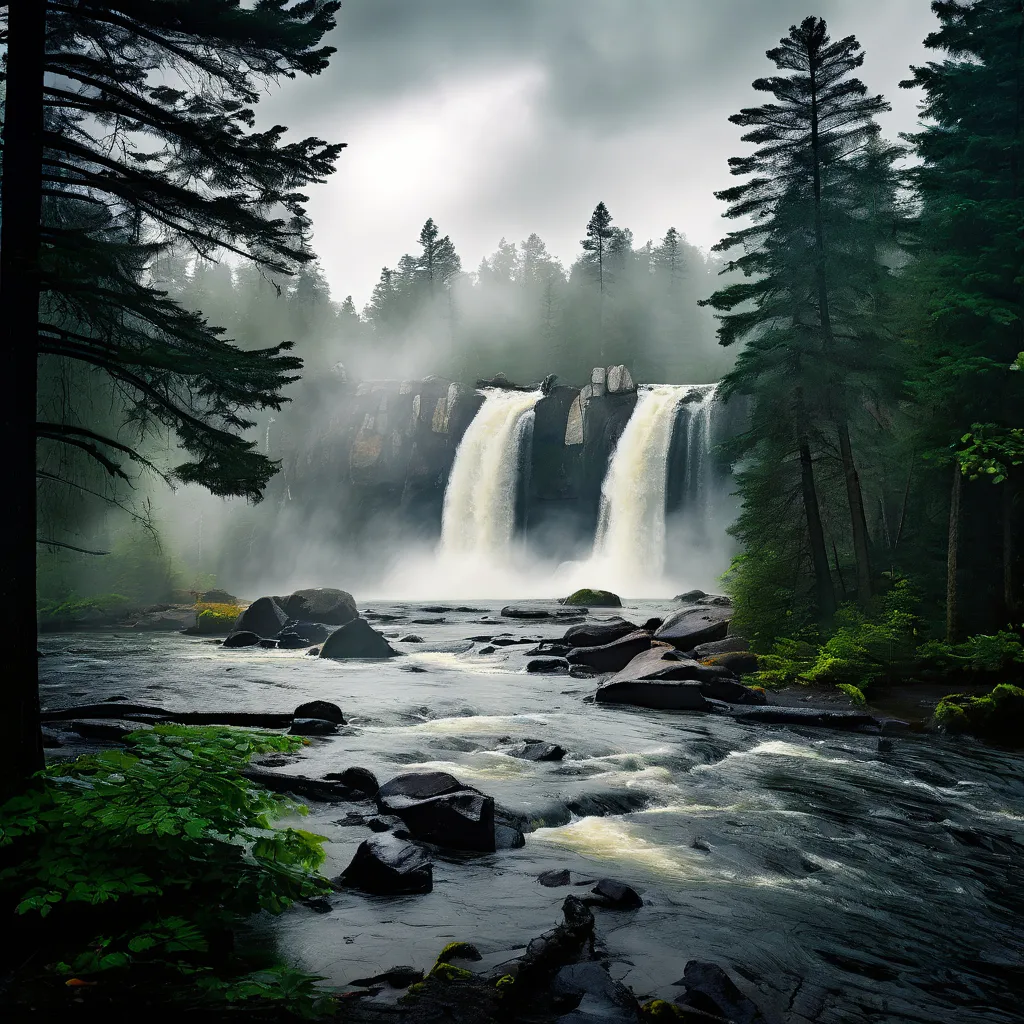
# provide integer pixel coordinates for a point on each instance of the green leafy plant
(998, 715)
(216, 618)
(144, 858)
(855, 693)
(979, 655)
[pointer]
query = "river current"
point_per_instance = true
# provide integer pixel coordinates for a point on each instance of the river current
(837, 879)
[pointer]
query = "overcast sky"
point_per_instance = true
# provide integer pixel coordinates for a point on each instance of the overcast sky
(502, 117)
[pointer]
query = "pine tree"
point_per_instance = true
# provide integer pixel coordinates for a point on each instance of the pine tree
(438, 262)
(597, 244)
(971, 183)
(82, 222)
(802, 315)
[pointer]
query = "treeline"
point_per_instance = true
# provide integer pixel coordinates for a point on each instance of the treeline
(879, 323)
(522, 313)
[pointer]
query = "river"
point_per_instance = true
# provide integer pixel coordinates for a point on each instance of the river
(838, 882)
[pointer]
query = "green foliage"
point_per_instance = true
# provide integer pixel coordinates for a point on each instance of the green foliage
(81, 610)
(458, 951)
(216, 618)
(141, 857)
(998, 715)
(1000, 652)
(764, 586)
(989, 451)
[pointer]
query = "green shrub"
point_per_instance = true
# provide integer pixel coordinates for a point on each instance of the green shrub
(81, 610)
(979, 654)
(998, 715)
(853, 692)
(143, 858)
(215, 619)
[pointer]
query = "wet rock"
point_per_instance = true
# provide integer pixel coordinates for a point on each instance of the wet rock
(564, 944)
(611, 657)
(700, 843)
(690, 597)
(362, 780)
(594, 634)
(740, 663)
(524, 611)
(50, 740)
(772, 715)
(312, 727)
(555, 878)
(356, 639)
(245, 638)
(726, 646)
(388, 823)
(658, 694)
(690, 627)
(313, 652)
(394, 977)
(537, 750)
(410, 638)
(318, 904)
(512, 641)
(550, 650)
(320, 709)
(716, 600)
(894, 727)
(601, 999)
(652, 624)
(323, 790)
(594, 598)
(729, 689)
(710, 989)
(548, 666)
(582, 672)
(508, 837)
(662, 662)
(387, 866)
(319, 604)
(616, 895)
(264, 617)
(269, 643)
(309, 632)
(106, 729)
(439, 809)
(289, 641)
(489, 649)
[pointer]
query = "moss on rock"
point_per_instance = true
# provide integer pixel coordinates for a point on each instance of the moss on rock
(998, 715)
(458, 951)
(597, 598)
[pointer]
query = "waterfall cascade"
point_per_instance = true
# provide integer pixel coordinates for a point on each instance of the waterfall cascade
(630, 545)
(480, 500)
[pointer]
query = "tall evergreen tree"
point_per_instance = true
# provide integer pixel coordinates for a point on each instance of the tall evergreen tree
(971, 183)
(438, 262)
(597, 244)
(81, 223)
(802, 314)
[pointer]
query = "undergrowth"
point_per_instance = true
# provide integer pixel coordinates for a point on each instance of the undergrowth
(138, 864)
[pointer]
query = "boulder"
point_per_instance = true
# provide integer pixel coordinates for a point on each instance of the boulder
(548, 666)
(730, 689)
(320, 604)
(308, 632)
(602, 1000)
(288, 641)
(739, 663)
(689, 627)
(320, 709)
(394, 977)
(356, 639)
(387, 866)
(597, 633)
(563, 944)
(533, 611)
(726, 646)
(439, 809)
(217, 596)
(312, 727)
(710, 989)
(536, 750)
(362, 780)
(264, 617)
(616, 895)
(410, 638)
(595, 598)
(555, 878)
(690, 597)
(619, 380)
(613, 656)
(245, 638)
(659, 694)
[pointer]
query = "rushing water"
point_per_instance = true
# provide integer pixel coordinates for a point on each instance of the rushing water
(480, 499)
(842, 883)
(698, 484)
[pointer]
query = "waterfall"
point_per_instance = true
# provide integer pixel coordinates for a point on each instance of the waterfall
(698, 489)
(630, 537)
(479, 513)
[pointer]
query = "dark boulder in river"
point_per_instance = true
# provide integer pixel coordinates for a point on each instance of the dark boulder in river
(595, 598)
(312, 727)
(617, 895)
(320, 604)
(548, 666)
(264, 617)
(613, 656)
(439, 809)
(308, 632)
(387, 866)
(710, 990)
(689, 627)
(598, 633)
(659, 694)
(536, 750)
(320, 709)
(244, 638)
(805, 716)
(356, 639)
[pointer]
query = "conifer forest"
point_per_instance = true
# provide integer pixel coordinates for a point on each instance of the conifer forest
(527, 511)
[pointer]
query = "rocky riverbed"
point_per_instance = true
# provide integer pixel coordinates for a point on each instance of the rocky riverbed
(837, 875)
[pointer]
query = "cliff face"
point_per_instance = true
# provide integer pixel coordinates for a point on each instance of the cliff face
(377, 455)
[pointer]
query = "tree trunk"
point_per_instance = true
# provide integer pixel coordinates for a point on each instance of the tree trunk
(21, 751)
(861, 550)
(819, 557)
(952, 559)
(1010, 599)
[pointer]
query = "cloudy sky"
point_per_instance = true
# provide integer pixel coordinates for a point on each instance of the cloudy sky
(502, 117)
